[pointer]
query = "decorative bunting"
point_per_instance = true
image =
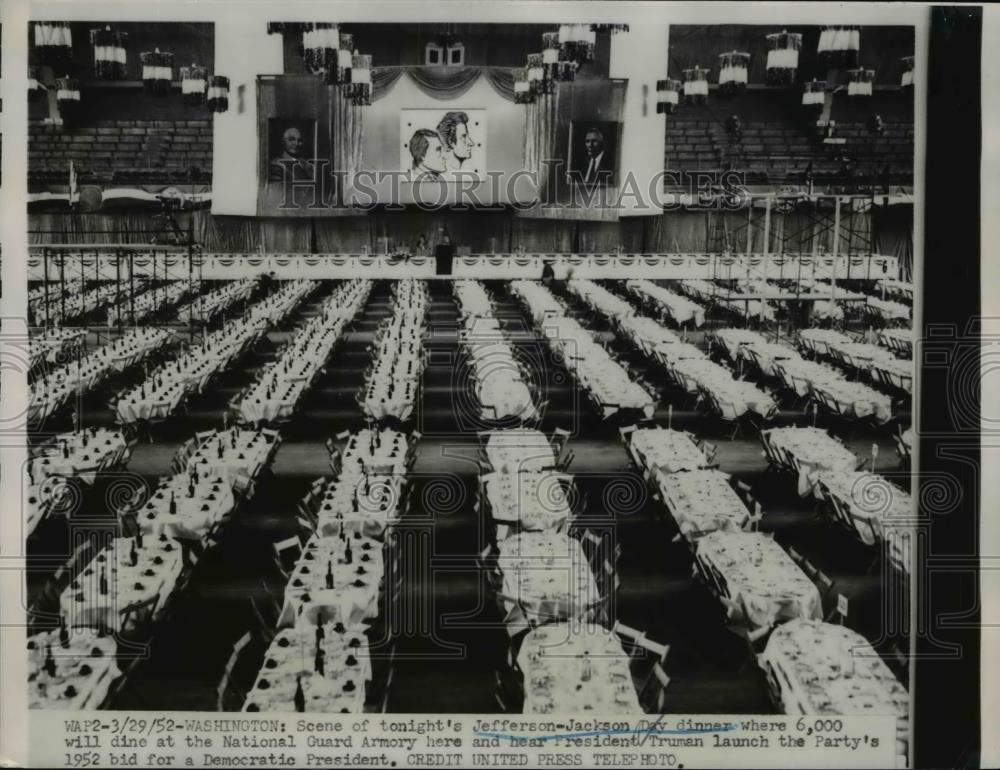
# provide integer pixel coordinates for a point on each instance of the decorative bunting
(814, 93)
(908, 67)
(667, 95)
(218, 93)
(734, 68)
(695, 85)
(839, 46)
(859, 82)
(53, 43)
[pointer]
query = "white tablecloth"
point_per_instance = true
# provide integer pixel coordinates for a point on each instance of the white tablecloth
(753, 572)
(571, 667)
(671, 450)
(81, 454)
(79, 675)
(184, 509)
(809, 451)
(357, 579)
(518, 450)
(701, 502)
(147, 584)
(547, 576)
(528, 500)
(681, 309)
(235, 455)
(828, 670)
(338, 689)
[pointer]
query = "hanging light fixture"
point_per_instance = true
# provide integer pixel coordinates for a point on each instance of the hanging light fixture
(194, 83)
(157, 71)
(734, 70)
(814, 93)
(345, 58)
(859, 82)
(522, 87)
(908, 67)
(110, 56)
(319, 47)
(536, 75)
(783, 57)
(667, 95)
(361, 80)
(68, 98)
(695, 85)
(839, 46)
(218, 93)
(577, 42)
(53, 43)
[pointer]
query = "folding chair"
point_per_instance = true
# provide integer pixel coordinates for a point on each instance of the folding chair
(652, 698)
(286, 553)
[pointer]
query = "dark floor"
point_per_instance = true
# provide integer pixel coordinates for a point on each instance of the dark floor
(447, 633)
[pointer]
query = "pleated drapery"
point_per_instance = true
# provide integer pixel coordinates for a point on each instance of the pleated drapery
(443, 83)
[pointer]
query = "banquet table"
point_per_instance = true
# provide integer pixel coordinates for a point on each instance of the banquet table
(235, 455)
(357, 569)
(500, 386)
(803, 375)
(546, 577)
(664, 449)
(518, 450)
(134, 592)
(767, 355)
(572, 667)
(732, 340)
(825, 670)
(74, 677)
(339, 688)
(681, 309)
(382, 451)
(757, 577)
(528, 501)
(51, 344)
(81, 454)
(186, 507)
(889, 310)
(540, 302)
(853, 399)
(808, 451)
(880, 512)
(701, 501)
(645, 333)
(599, 298)
(898, 340)
(897, 372)
(820, 340)
(365, 503)
(206, 307)
(859, 355)
(393, 383)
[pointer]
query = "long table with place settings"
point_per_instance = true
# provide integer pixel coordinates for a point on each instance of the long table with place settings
(528, 501)
(330, 664)
(337, 578)
(821, 669)
(52, 344)
(81, 454)
(756, 579)
(237, 456)
(701, 501)
(807, 452)
(518, 450)
(186, 507)
(393, 382)
(205, 307)
(500, 384)
(664, 449)
(126, 583)
(679, 308)
(875, 510)
(72, 673)
(546, 577)
(282, 383)
(572, 667)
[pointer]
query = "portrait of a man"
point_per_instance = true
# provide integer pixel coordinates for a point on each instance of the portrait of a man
(427, 154)
(458, 144)
(593, 152)
(291, 151)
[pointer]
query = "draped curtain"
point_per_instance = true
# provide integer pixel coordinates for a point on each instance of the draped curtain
(348, 125)
(443, 83)
(540, 138)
